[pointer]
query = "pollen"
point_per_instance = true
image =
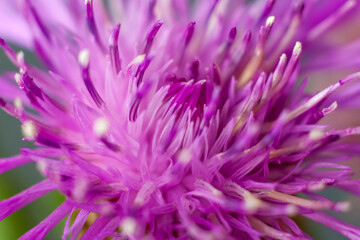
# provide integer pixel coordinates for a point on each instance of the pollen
(29, 130)
(270, 21)
(128, 225)
(84, 57)
(184, 156)
(101, 126)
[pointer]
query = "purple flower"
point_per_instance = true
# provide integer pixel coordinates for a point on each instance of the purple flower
(187, 121)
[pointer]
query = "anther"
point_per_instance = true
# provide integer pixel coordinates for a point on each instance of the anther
(84, 58)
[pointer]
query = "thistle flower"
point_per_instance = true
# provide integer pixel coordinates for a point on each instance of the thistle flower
(184, 122)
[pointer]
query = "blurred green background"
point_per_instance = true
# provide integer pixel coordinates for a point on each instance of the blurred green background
(18, 179)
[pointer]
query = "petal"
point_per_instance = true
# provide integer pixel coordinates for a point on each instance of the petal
(9, 163)
(18, 201)
(43, 228)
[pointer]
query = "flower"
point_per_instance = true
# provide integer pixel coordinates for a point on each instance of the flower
(186, 124)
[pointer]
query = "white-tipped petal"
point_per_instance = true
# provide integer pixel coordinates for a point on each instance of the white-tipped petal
(84, 57)
(270, 21)
(128, 225)
(17, 78)
(316, 134)
(252, 203)
(80, 189)
(297, 49)
(41, 166)
(29, 130)
(137, 60)
(317, 187)
(343, 206)
(18, 103)
(101, 126)
(184, 156)
(20, 57)
(291, 210)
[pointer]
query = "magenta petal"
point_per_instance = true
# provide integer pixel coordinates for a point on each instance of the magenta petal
(43, 228)
(345, 229)
(7, 164)
(194, 121)
(96, 227)
(18, 201)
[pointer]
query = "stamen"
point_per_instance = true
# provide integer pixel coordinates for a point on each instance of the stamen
(141, 69)
(91, 22)
(114, 50)
(238, 55)
(194, 70)
(151, 35)
(134, 109)
(232, 34)
(251, 103)
(217, 75)
(225, 48)
(213, 104)
(289, 68)
(38, 20)
(145, 193)
(311, 204)
(84, 58)
(279, 70)
(205, 185)
(8, 51)
(27, 84)
(152, 5)
(24, 80)
(251, 202)
(113, 147)
(268, 7)
(189, 32)
(290, 33)
(330, 109)
(258, 56)
(143, 90)
(320, 96)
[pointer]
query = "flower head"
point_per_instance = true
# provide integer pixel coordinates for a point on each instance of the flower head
(184, 122)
